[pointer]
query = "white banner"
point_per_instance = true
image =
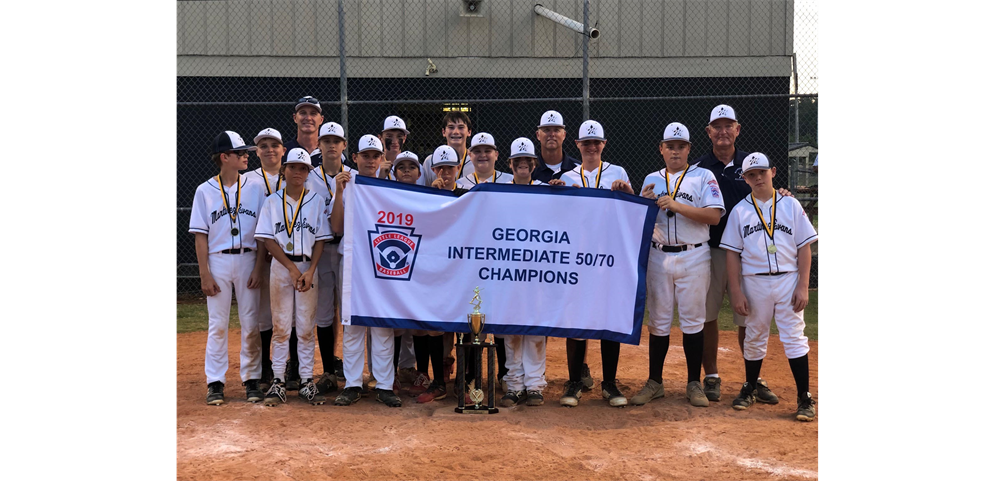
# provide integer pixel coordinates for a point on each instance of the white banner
(553, 261)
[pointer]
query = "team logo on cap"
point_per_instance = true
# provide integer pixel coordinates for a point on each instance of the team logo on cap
(677, 132)
(551, 118)
(397, 122)
(480, 138)
(521, 146)
(754, 161)
(591, 130)
(301, 155)
(370, 142)
(722, 110)
(444, 156)
(393, 250)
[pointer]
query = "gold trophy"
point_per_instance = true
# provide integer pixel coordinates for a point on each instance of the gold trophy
(475, 348)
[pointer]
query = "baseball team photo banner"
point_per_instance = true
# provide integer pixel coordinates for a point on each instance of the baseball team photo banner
(549, 261)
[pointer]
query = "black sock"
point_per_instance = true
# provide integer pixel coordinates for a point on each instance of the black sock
(659, 345)
(753, 372)
(267, 338)
(421, 353)
(609, 359)
(502, 357)
(292, 361)
(799, 369)
(575, 358)
(397, 351)
(326, 347)
(694, 346)
(435, 348)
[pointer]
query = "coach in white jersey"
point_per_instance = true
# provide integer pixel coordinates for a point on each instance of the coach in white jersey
(484, 155)
(689, 200)
(223, 219)
(294, 225)
(321, 181)
(270, 150)
(768, 238)
(594, 173)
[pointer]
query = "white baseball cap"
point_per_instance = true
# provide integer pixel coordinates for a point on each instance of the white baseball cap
(676, 131)
(307, 100)
(298, 155)
(551, 118)
(722, 111)
(591, 130)
(407, 155)
(755, 161)
(229, 141)
(268, 133)
(522, 147)
(482, 138)
(370, 142)
(331, 128)
(395, 123)
(444, 155)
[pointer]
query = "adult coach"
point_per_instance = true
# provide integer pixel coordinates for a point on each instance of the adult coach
(725, 161)
(551, 159)
(308, 118)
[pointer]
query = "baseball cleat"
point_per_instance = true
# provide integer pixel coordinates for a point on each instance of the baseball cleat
(420, 384)
(252, 392)
(571, 397)
(327, 383)
(713, 389)
(349, 395)
(436, 391)
(764, 394)
(745, 399)
(652, 390)
(806, 408)
(512, 398)
(534, 398)
(388, 397)
(309, 392)
(216, 393)
(277, 393)
(696, 395)
(610, 391)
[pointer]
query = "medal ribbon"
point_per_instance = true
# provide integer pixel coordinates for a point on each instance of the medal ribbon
(773, 214)
(238, 198)
(266, 179)
(477, 179)
(597, 183)
(297, 212)
(666, 175)
(462, 162)
(325, 178)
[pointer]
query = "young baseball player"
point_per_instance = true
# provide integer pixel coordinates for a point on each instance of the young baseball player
(456, 129)
(594, 173)
(678, 267)
(222, 220)
(526, 355)
(294, 227)
(367, 160)
(768, 257)
(484, 154)
(321, 181)
(269, 149)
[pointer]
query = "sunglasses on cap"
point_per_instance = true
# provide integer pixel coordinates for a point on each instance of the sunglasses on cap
(307, 100)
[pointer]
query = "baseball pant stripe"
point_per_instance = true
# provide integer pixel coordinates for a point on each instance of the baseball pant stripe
(292, 309)
(770, 297)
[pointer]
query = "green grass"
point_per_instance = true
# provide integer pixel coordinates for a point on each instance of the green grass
(192, 316)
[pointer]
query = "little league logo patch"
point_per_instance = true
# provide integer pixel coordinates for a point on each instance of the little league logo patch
(393, 250)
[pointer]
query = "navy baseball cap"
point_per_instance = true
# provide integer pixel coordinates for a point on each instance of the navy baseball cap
(229, 141)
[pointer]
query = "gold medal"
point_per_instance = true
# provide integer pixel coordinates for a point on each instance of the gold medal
(290, 246)
(234, 231)
(290, 223)
(772, 248)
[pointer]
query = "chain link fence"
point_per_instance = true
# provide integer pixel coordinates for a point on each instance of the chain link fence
(241, 65)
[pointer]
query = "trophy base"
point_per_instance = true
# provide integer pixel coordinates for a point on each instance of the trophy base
(475, 410)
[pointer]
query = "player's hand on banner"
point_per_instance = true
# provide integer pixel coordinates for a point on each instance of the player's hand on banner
(208, 286)
(648, 191)
(623, 186)
(341, 180)
(304, 283)
(439, 184)
(255, 278)
(575, 185)
(799, 299)
(739, 304)
(557, 182)
(785, 192)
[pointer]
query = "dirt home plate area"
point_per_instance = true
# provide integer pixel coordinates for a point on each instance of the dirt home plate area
(664, 439)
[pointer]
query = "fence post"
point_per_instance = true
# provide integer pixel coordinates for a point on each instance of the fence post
(343, 95)
(586, 79)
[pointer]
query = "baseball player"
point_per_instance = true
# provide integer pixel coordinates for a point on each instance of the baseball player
(689, 200)
(308, 118)
(768, 239)
(294, 226)
(552, 160)
(222, 219)
(457, 130)
(484, 154)
(367, 159)
(321, 181)
(725, 161)
(594, 173)
(525, 355)
(269, 149)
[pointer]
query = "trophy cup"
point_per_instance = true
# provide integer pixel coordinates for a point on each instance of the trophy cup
(475, 348)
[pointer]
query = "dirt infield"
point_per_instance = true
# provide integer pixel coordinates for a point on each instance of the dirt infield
(665, 439)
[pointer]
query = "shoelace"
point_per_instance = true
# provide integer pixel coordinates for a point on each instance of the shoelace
(279, 390)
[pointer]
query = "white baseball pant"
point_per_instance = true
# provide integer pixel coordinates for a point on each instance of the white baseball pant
(330, 294)
(292, 309)
(264, 314)
(526, 362)
(770, 296)
(232, 271)
(683, 276)
(381, 355)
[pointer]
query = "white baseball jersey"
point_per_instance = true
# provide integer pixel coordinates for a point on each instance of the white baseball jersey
(323, 183)
(745, 233)
(311, 225)
(698, 188)
(269, 183)
(429, 175)
(468, 181)
(534, 182)
(213, 206)
(600, 178)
